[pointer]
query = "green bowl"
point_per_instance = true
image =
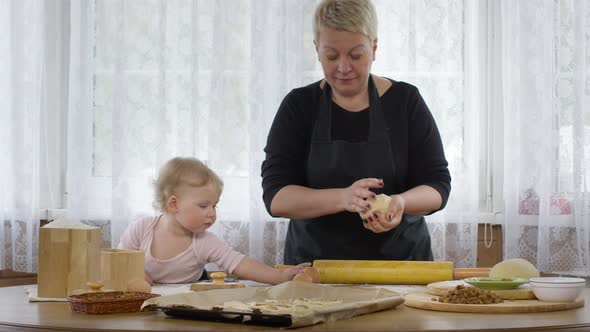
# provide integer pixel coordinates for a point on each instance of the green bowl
(496, 283)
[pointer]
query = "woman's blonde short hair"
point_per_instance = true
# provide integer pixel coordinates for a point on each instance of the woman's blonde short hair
(182, 171)
(346, 15)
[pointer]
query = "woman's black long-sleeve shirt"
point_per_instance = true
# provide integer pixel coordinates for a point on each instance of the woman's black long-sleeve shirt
(414, 136)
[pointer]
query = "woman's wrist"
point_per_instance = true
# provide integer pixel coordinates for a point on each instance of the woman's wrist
(421, 200)
(341, 199)
(298, 202)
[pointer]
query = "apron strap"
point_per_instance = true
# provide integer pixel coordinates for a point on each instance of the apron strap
(323, 126)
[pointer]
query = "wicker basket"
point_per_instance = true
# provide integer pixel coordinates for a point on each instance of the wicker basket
(108, 302)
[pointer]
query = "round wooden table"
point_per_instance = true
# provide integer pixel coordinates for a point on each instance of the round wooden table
(17, 314)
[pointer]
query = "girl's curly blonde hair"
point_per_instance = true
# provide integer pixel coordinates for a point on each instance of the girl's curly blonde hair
(182, 171)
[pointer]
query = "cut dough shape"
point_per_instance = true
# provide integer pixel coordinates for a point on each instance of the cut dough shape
(379, 203)
(288, 306)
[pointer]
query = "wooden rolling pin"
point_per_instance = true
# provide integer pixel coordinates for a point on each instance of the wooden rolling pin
(462, 273)
(390, 272)
(382, 264)
(402, 276)
(383, 272)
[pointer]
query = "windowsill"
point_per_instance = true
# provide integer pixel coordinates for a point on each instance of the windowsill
(52, 214)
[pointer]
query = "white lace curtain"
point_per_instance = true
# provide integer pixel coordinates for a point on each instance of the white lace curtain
(21, 100)
(154, 79)
(32, 93)
(546, 133)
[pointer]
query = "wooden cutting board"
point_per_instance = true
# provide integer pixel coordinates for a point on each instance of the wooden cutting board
(425, 301)
(524, 292)
(209, 286)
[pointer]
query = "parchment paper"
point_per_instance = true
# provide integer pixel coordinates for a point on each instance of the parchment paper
(355, 300)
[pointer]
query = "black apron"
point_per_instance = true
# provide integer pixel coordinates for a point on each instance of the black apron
(338, 164)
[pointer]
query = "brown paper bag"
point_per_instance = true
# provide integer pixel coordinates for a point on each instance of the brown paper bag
(118, 266)
(68, 258)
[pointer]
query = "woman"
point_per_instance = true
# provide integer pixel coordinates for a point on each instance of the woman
(336, 143)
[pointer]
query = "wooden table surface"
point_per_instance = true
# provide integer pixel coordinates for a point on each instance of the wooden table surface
(17, 314)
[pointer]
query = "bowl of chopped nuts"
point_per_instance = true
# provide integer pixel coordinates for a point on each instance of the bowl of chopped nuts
(557, 289)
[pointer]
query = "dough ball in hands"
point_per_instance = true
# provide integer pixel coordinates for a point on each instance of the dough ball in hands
(139, 285)
(379, 203)
(514, 268)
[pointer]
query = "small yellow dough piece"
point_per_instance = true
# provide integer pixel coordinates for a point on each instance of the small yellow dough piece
(514, 268)
(218, 278)
(95, 286)
(379, 203)
(304, 277)
(313, 273)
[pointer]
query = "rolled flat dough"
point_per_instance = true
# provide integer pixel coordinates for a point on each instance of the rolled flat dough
(514, 268)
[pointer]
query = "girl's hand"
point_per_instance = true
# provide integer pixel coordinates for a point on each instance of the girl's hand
(149, 280)
(354, 198)
(289, 274)
(379, 223)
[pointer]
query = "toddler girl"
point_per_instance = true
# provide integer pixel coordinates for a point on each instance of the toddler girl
(177, 244)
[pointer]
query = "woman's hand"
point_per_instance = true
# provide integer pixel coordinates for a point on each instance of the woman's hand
(354, 198)
(379, 223)
(289, 274)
